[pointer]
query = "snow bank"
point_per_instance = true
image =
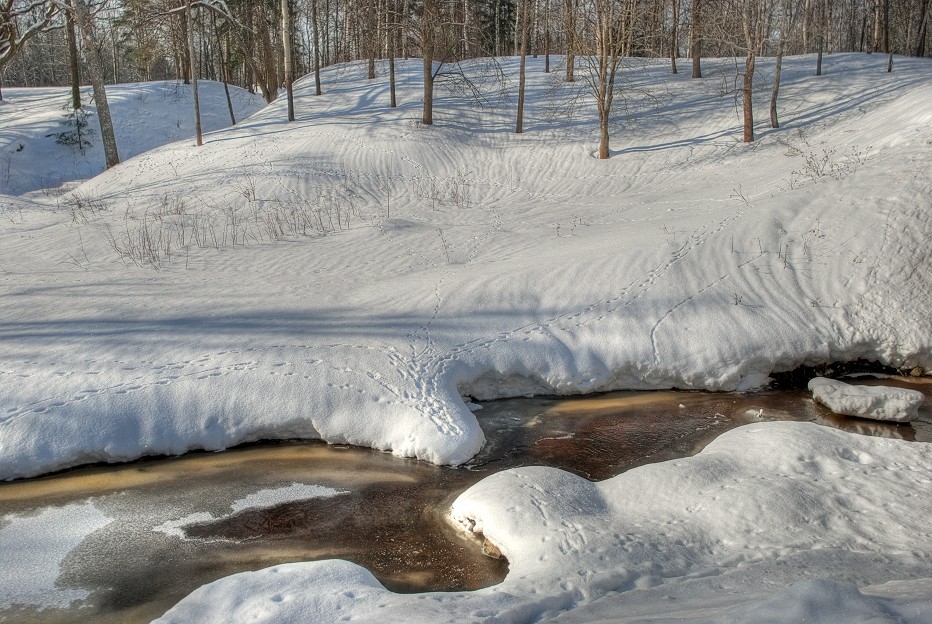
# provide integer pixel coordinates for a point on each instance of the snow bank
(774, 522)
(876, 402)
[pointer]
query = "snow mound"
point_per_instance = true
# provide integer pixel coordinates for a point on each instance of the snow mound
(741, 532)
(875, 402)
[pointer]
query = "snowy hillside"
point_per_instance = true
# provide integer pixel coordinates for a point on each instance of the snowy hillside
(352, 275)
(145, 115)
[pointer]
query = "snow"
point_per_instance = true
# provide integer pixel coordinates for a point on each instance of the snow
(261, 499)
(876, 402)
(775, 522)
(34, 546)
(352, 275)
(146, 115)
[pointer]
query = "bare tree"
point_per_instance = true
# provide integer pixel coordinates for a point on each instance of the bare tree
(92, 56)
(787, 15)
(755, 22)
(286, 45)
(427, 29)
(522, 29)
(12, 36)
(611, 27)
(570, 11)
(695, 37)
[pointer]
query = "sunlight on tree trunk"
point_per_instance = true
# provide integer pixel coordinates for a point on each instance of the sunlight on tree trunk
(92, 51)
(286, 45)
(197, 104)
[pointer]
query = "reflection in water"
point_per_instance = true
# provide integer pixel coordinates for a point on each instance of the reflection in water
(391, 513)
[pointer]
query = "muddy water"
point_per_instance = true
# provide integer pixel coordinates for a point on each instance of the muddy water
(387, 514)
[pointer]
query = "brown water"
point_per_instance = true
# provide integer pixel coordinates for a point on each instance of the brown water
(391, 516)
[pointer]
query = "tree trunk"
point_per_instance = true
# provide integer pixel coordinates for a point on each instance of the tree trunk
(878, 25)
(774, 120)
(286, 46)
(316, 28)
(391, 54)
(674, 37)
(570, 28)
(547, 37)
(920, 48)
(747, 93)
(186, 63)
(221, 61)
(85, 22)
(191, 55)
(818, 69)
(73, 66)
(695, 38)
(604, 152)
(807, 11)
(519, 126)
(428, 18)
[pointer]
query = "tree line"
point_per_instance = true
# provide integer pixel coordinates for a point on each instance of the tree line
(261, 45)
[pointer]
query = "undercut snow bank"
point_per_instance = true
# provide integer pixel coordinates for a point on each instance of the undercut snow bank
(875, 402)
(734, 534)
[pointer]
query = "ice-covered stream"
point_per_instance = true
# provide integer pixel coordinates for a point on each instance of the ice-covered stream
(136, 538)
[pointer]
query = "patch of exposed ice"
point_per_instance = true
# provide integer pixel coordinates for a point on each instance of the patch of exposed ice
(31, 544)
(263, 499)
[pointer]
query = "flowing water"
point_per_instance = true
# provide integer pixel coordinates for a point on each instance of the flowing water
(148, 533)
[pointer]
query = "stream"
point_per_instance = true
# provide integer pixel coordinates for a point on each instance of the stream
(136, 538)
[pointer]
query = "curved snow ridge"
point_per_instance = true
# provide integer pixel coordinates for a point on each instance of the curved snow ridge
(764, 507)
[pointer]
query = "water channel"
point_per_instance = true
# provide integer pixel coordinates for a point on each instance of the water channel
(166, 526)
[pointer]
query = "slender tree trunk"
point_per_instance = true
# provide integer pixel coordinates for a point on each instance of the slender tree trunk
(807, 16)
(186, 62)
(85, 22)
(878, 25)
(920, 48)
(316, 28)
(221, 59)
(191, 55)
(547, 37)
(818, 70)
(886, 35)
(695, 37)
(286, 46)
(391, 54)
(747, 93)
(428, 19)
(774, 120)
(73, 65)
(570, 28)
(523, 25)
(674, 36)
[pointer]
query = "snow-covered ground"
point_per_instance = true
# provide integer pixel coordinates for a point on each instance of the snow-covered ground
(146, 115)
(352, 275)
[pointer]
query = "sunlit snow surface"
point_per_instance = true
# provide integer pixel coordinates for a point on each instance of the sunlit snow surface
(462, 259)
(876, 402)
